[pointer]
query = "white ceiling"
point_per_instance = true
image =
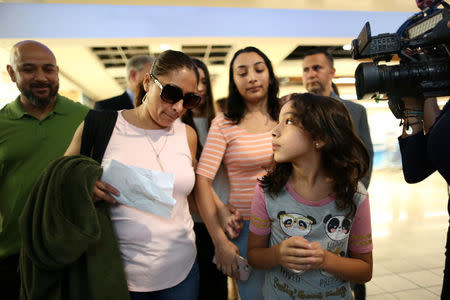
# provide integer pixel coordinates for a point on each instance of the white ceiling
(276, 27)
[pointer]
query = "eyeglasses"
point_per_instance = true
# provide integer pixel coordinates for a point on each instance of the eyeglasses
(172, 94)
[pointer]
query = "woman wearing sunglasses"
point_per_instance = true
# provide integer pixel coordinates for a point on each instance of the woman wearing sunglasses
(159, 254)
(241, 138)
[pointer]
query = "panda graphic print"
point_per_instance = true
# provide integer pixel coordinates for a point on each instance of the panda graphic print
(295, 224)
(322, 222)
(337, 228)
(332, 232)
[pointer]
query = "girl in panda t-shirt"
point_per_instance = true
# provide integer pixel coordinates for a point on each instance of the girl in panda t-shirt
(310, 216)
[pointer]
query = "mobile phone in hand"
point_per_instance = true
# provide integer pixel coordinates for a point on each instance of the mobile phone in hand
(244, 268)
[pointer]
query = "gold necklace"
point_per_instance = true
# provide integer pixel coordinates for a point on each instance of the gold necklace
(157, 153)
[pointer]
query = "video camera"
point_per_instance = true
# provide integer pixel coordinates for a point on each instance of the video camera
(422, 44)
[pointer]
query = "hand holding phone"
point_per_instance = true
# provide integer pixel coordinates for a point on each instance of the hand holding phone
(244, 269)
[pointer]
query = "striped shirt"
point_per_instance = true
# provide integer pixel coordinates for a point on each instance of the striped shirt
(246, 156)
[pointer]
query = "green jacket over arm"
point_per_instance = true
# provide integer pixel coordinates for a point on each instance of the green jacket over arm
(69, 249)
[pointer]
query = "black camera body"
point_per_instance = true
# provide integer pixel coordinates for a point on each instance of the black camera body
(422, 45)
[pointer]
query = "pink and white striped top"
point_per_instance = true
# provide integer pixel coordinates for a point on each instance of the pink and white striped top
(246, 156)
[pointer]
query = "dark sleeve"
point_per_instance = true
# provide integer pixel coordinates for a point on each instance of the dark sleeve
(364, 132)
(415, 162)
(99, 105)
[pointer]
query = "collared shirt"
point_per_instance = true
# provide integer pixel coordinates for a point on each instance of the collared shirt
(27, 145)
(334, 95)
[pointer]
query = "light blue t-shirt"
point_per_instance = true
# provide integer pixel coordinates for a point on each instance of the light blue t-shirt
(325, 224)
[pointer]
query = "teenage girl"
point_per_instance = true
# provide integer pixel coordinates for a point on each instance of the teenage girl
(310, 217)
(241, 139)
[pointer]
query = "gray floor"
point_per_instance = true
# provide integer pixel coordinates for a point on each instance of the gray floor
(409, 225)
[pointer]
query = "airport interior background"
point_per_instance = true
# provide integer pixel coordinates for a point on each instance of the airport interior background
(92, 41)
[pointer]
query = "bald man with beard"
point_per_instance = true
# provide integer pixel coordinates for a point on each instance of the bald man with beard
(35, 128)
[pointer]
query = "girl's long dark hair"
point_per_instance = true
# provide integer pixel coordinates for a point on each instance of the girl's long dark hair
(236, 104)
(344, 157)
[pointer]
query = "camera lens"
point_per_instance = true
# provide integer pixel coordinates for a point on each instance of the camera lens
(366, 79)
(407, 79)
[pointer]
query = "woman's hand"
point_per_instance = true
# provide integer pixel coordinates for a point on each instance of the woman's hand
(226, 258)
(103, 191)
(231, 220)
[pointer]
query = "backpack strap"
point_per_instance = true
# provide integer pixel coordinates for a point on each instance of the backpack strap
(98, 128)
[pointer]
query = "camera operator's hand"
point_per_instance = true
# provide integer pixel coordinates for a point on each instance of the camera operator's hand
(420, 114)
(413, 112)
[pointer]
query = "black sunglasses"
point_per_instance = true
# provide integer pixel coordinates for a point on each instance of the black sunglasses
(172, 94)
